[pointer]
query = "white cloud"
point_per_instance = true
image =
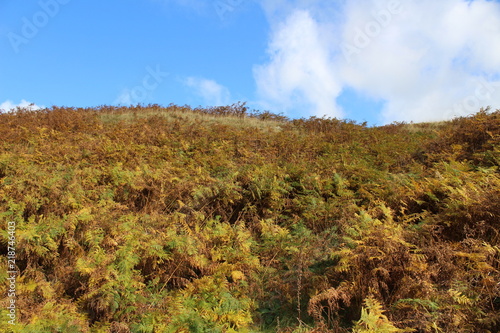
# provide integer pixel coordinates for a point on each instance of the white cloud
(299, 71)
(211, 92)
(9, 105)
(428, 60)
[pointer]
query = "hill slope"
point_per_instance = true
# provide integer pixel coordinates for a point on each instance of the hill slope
(174, 219)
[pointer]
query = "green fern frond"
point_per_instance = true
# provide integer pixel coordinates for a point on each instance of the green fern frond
(373, 319)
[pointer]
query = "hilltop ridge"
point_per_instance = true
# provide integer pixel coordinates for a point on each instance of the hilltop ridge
(174, 219)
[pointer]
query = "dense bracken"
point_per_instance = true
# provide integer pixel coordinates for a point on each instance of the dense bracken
(152, 219)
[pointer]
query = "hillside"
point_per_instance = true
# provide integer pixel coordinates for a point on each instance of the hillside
(152, 219)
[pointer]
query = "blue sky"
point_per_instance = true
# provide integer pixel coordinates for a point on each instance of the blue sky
(383, 61)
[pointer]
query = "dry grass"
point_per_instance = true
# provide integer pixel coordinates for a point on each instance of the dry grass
(188, 116)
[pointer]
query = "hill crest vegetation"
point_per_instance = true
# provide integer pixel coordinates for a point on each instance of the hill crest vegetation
(174, 219)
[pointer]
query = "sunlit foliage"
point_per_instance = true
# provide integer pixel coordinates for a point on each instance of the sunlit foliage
(152, 219)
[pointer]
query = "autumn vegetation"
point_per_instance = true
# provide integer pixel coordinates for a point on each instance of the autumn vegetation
(173, 219)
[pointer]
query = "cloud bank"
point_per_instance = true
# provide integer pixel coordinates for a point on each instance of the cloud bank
(426, 60)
